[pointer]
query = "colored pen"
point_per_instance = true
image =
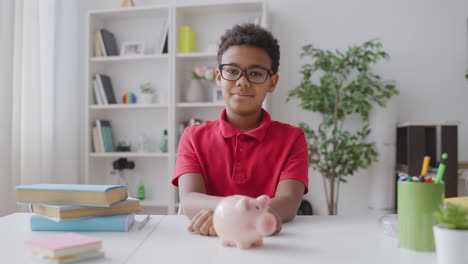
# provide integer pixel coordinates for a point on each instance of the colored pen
(441, 169)
(425, 165)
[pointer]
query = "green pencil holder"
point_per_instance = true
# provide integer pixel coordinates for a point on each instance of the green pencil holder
(417, 202)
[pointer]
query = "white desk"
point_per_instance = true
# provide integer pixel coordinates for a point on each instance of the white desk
(308, 239)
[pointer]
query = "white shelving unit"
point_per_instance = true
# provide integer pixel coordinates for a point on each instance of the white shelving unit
(170, 75)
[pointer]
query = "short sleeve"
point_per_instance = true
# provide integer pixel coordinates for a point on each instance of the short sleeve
(187, 159)
(297, 164)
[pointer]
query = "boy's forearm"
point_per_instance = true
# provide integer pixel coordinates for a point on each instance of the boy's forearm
(285, 206)
(193, 202)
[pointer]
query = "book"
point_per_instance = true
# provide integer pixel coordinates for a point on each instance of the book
(96, 140)
(64, 244)
(60, 212)
(97, 94)
(97, 44)
(110, 43)
(108, 89)
(163, 38)
(77, 194)
(73, 258)
(107, 135)
(463, 201)
(101, 43)
(105, 89)
(111, 223)
(100, 136)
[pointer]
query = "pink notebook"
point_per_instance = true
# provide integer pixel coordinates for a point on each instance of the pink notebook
(65, 244)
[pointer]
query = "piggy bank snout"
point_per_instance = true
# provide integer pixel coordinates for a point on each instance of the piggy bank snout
(266, 224)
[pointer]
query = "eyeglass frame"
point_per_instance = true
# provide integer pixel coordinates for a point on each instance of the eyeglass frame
(244, 72)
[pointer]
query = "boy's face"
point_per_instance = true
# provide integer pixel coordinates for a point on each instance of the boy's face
(242, 96)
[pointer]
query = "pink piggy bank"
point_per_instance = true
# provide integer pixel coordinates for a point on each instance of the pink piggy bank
(242, 221)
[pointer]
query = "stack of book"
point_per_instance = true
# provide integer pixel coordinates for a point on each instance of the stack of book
(65, 248)
(105, 43)
(102, 136)
(78, 207)
(103, 90)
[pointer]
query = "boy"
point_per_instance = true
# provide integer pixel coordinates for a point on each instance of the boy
(244, 151)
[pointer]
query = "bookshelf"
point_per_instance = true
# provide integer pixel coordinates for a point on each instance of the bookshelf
(170, 75)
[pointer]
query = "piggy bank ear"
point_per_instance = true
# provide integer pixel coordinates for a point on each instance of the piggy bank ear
(243, 204)
(264, 200)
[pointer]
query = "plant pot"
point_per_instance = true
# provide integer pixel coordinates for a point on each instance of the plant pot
(195, 92)
(145, 98)
(451, 245)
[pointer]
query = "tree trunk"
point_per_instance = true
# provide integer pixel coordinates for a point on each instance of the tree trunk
(331, 198)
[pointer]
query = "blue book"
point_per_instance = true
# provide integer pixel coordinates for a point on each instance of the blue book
(71, 194)
(113, 223)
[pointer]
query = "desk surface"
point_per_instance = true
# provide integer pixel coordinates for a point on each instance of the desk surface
(164, 239)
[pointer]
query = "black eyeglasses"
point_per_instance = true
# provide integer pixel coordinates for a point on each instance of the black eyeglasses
(254, 74)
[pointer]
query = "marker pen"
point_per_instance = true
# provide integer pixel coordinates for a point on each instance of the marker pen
(441, 169)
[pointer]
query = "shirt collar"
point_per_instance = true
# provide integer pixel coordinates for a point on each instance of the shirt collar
(228, 130)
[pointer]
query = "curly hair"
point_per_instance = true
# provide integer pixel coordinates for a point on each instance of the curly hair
(251, 34)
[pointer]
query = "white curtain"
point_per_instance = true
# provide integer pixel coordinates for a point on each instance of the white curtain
(6, 59)
(34, 64)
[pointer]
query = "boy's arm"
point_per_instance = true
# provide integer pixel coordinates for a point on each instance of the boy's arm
(193, 197)
(287, 199)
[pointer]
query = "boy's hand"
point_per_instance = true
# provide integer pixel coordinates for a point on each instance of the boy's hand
(202, 223)
(279, 221)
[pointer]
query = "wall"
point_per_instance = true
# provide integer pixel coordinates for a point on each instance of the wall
(426, 41)
(427, 44)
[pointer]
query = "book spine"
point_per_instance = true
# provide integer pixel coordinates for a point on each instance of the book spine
(114, 223)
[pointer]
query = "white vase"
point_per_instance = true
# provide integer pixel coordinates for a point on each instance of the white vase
(195, 92)
(145, 98)
(451, 245)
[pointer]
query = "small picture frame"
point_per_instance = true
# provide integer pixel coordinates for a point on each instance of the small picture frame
(132, 48)
(218, 95)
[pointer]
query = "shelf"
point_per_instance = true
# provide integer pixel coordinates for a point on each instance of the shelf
(127, 106)
(135, 58)
(202, 104)
(122, 13)
(129, 154)
(197, 55)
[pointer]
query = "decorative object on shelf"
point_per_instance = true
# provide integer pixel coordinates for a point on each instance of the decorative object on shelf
(195, 92)
(346, 87)
(132, 48)
(147, 94)
(129, 98)
(123, 146)
(451, 234)
(218, 95)
(202, 79)
(120, 165)
(164, 142)
(141, 192)
(186, 40)
(126, 3)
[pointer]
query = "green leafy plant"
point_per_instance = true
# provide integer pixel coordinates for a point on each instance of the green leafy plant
(452, 216)
(344, 85)
(146, 88)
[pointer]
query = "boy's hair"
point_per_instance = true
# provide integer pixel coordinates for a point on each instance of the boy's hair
(251, 34)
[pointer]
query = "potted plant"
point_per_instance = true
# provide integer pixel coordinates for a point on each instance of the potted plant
(147, 94)
(337, 85)
(451, 234)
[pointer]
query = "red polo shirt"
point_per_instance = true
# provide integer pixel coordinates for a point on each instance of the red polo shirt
(248, 163)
